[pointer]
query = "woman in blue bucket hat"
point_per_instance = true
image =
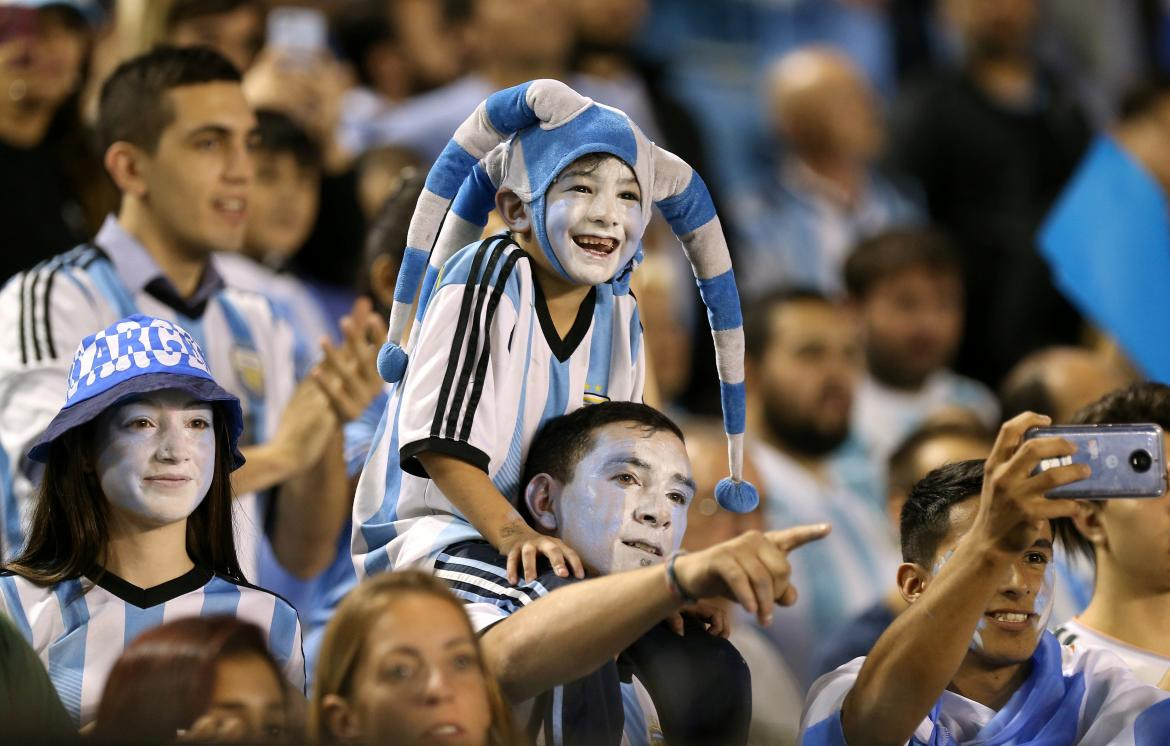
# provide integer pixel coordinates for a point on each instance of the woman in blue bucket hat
(132, 522)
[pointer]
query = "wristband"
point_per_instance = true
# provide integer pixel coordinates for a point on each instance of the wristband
(676, 590)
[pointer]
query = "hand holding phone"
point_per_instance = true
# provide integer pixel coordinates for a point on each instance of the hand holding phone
(1126, 460)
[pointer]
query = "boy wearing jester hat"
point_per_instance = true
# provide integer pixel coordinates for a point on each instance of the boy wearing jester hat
(517, 329)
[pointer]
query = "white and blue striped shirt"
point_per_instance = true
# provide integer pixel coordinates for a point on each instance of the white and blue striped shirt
(79, 628)
(1071, 697)
(45, 312)
(487, 369)
(837, 577)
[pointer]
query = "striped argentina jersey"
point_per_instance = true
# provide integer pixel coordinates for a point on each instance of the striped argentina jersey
(79, 629)
(1070, 698)
(487, 369)
(45, 312)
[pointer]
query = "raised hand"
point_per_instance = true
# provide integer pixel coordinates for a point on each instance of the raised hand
(1012, 506)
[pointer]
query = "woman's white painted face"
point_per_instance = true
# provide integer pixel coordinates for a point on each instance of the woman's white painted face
(155, 455)
(626, 506)
(593, 218)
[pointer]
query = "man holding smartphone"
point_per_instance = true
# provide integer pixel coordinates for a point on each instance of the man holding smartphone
(1129, 542)
(970, 660)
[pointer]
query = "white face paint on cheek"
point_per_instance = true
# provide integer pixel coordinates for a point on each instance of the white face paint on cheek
(1046, 596)
(619, 516)
(570, 214)
(158, 472)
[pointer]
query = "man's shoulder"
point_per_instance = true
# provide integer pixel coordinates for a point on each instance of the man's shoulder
(47, 309)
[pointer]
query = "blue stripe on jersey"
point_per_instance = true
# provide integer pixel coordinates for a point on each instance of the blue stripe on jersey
(13, 536)
(428, 289)
(139, 620)
(507, 479)
(14, 608)
(558, 389)
(220, 598)
(378, 530)
(282, 632)
(67, 653)
(690, 209)
(601, 345)
(110, 285)
(722, 301)
(242, 337)
(637, 734)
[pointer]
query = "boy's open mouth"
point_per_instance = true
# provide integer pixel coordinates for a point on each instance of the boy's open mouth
(596, 245)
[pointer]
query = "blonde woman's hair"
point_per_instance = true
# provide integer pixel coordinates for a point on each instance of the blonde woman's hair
(345, 639)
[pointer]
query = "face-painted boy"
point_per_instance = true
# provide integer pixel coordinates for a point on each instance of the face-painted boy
(520, 328)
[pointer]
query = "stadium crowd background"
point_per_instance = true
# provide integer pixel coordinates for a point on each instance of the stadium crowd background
(882, 169)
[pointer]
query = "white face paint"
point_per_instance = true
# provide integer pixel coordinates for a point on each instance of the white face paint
(626, 506)
(155, 456)
(593, 218)
(1013, 622)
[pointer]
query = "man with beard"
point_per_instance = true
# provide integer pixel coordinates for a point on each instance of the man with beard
(803, 359)
(907, 285)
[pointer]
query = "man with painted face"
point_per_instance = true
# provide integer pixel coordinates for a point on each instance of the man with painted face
(970, 659)
(614, 479)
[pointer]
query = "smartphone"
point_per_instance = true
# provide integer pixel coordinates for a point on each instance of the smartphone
(301, 31)
(1126, 460)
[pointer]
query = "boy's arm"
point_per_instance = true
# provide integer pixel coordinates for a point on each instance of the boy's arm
(471, 491)
(918, 655)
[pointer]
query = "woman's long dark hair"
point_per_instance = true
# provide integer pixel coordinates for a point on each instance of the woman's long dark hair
(165, 679)
(70, 521)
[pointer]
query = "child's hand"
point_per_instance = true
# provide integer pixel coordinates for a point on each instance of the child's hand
(522, 544)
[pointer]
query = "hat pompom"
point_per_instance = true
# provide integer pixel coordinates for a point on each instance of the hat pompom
(736, 495)
(391, 362)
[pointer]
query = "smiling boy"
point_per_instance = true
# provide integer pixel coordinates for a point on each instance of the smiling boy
(525, 326)
(970, 661)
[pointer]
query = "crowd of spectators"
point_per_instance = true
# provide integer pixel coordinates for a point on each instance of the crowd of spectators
(237, 181)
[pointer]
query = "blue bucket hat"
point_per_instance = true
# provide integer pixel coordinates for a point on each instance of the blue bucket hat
(133, 356)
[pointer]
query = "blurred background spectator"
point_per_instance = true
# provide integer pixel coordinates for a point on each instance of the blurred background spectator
(823, 194)
(53, 191)
(991, 142)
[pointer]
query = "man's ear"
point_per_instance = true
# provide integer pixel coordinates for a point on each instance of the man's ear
(912, 580)
(515, 212)
(127, 165)
(1088, 522)
(340, 719)
(539, 495)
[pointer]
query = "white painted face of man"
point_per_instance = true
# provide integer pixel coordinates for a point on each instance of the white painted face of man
(626, 505)
(155, 456)
(593, 218)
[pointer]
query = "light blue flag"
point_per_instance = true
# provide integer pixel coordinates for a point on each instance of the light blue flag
(1107, 241)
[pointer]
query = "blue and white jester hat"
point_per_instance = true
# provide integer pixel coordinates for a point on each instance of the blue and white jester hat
(133, 356)
(521, 138)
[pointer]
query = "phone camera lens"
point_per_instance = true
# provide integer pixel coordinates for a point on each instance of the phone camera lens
(1140, 461)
